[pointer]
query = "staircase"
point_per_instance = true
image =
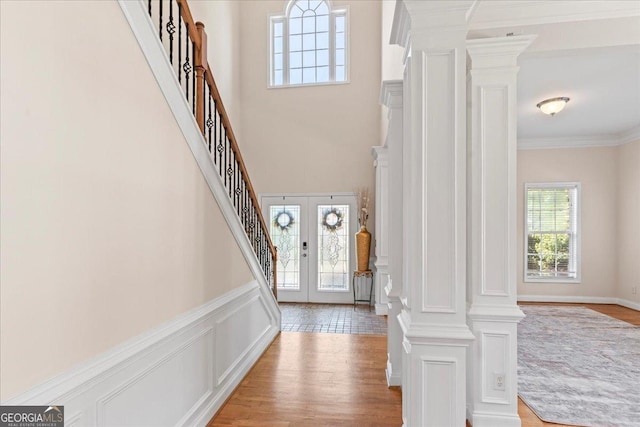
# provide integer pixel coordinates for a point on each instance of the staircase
(185, 44)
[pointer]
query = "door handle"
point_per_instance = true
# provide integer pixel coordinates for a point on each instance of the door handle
(304, 246)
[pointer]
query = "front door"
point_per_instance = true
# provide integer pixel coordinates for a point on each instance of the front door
(315, 240)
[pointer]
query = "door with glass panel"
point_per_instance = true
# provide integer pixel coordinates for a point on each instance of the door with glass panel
(315, 240)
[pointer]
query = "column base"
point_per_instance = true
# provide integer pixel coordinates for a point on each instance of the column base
(382, 309)
(494, 420)
(394, 377)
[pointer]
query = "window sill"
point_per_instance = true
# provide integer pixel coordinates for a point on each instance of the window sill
(551, 280)
(308, 85)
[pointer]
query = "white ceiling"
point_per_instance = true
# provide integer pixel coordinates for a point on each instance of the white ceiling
(588, 51)
(603, 85)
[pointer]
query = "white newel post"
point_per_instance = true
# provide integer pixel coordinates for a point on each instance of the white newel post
(433, 318)
(391, 97)
(493, 314)
(381, 163)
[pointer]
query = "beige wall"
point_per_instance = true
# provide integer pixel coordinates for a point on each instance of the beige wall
(595, 169)
(629, 221)
(222, 25)
(392, 58)
(311, 139)
(108, 228)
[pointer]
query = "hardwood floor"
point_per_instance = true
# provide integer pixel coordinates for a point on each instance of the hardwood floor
(307, 379)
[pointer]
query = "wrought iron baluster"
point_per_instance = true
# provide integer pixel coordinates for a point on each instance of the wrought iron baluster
(220, 147)
(193, 83)
(179, 43)
(209, 120)
(230, 170)
(150, 9)
(236, 190)
(160, 21)
(226, 148)
(187, 65)
(171, 28)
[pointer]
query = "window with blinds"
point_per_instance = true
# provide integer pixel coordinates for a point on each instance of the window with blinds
(551, 226)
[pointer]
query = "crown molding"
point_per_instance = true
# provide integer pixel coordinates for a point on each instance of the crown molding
(613, 140)
(502, 13)
(391, 93)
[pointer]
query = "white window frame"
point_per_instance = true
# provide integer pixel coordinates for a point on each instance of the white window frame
(576, 231)
(284, 19)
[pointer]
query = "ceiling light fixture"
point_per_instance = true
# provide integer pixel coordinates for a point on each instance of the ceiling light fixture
(553, 105)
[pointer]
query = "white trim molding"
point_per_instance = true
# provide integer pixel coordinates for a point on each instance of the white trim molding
(613, 140)
(580, 299)
(518, 13)
(188, 366)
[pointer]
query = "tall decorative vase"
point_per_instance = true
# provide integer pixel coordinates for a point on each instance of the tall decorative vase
(363, 247)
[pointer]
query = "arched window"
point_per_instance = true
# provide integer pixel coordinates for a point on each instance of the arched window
(309, 44)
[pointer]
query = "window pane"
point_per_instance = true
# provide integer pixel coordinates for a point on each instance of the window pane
(322, 57)
(309, 41)
(333, 248)
(295, 26)
(309, 58)
(339, 56)
(339, 24)
(295, 76)
(296, 11)
(339, 40)
(295, 60)
(313, 4)
(303, 4)
(322, 40)
(295, 43)
(323, 74)
(322, 9)
(277, 78)
(322, 23)
(277, 29)
(340, 74)
(277, 61)
(309, 24)
(277, 44)
(309, 75)
(285, 233)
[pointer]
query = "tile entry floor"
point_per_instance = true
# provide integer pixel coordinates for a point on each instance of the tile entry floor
(332, 319)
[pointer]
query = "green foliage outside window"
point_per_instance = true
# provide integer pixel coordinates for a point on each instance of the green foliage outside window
(550, 230)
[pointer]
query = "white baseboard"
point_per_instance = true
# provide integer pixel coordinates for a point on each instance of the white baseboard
(629, 304)
(382, 309)
(580, 299)
(179, 373)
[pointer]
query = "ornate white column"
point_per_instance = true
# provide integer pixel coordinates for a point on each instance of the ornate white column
(391, 97)
(433, 318)
(381, 163)
(493, 314)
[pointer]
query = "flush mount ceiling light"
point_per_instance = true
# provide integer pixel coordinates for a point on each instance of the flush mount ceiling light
(553, 105)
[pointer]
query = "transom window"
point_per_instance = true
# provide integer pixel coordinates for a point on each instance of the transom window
(309, 44)
(551, 226)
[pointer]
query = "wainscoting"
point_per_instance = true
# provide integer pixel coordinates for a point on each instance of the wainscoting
(179, 373)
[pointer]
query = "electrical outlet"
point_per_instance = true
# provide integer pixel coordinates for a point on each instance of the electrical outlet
(498, 381)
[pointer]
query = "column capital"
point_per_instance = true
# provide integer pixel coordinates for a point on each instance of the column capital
(431, 16)
(497, 52)
(391, 94)
(380, 154)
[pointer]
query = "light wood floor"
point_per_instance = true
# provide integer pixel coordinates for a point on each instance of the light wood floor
(307, 379)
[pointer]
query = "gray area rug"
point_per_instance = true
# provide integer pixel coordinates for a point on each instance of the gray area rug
(579, 367)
